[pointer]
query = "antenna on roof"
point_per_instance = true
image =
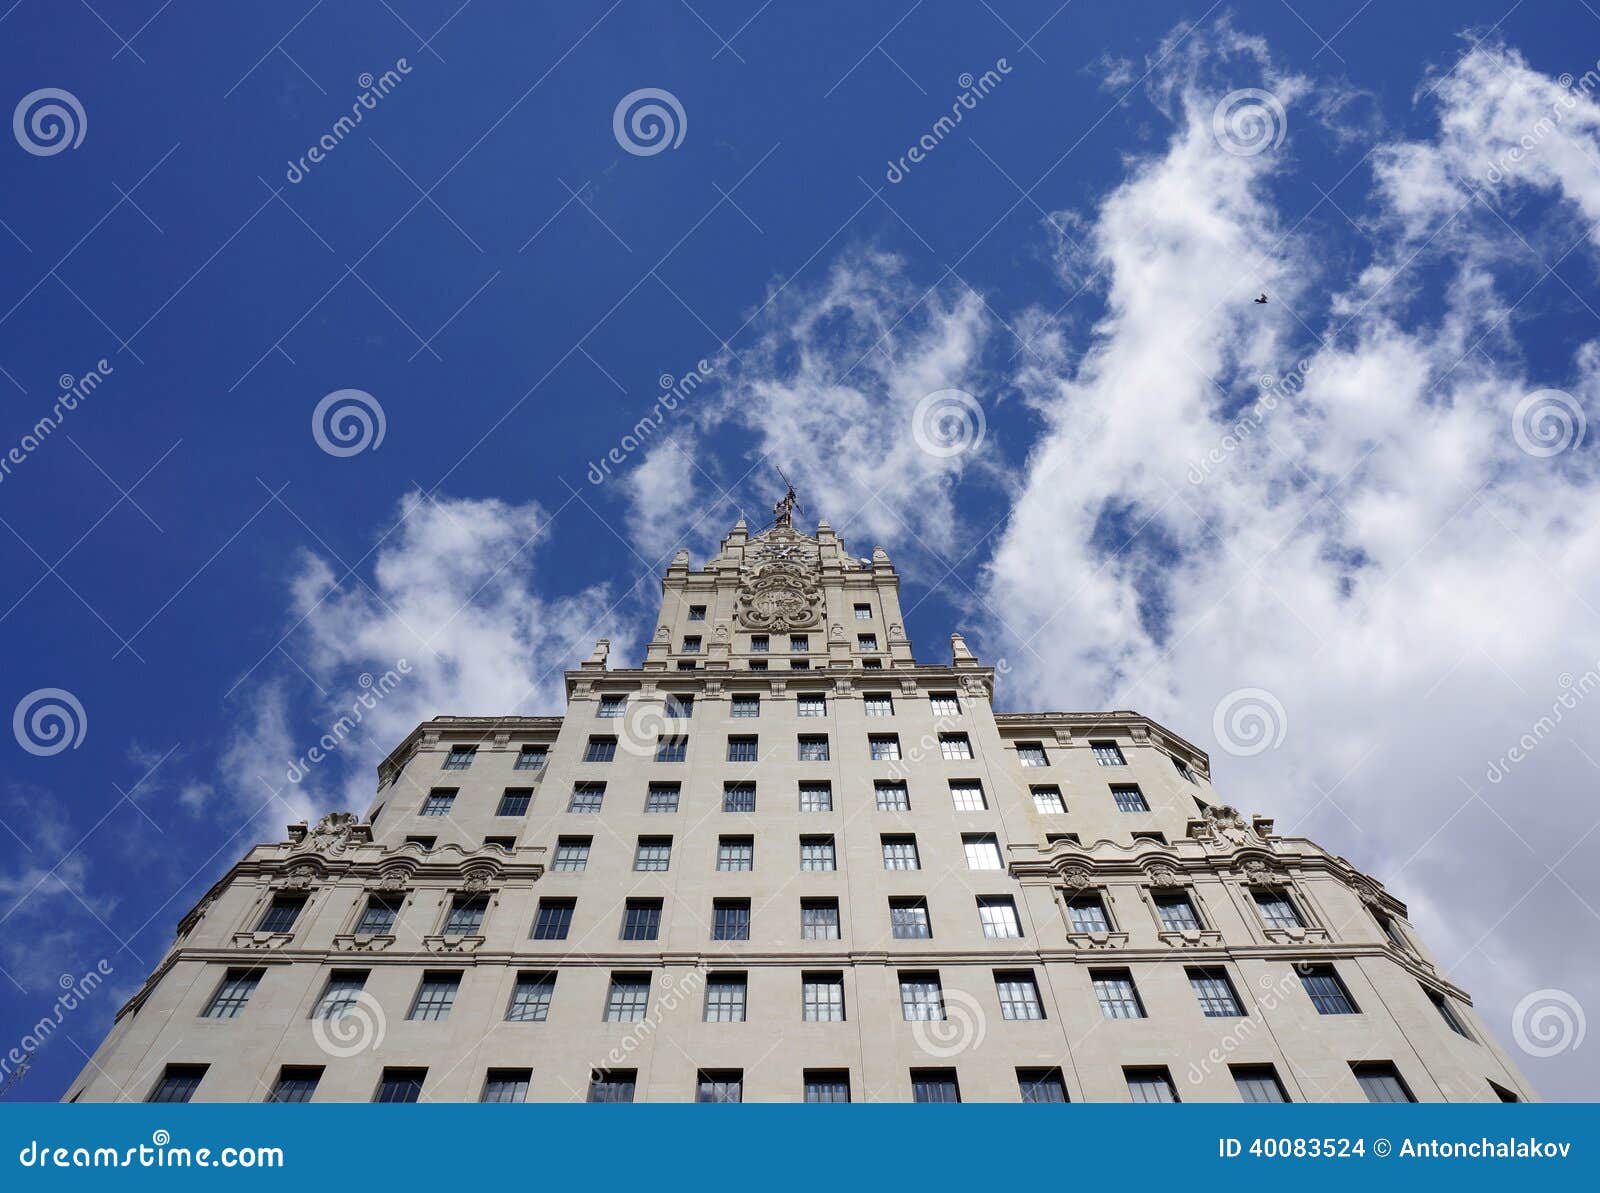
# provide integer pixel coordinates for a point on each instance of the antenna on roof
(783, 511)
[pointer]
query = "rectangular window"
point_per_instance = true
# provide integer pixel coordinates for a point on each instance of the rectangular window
(871, 664)
(506, 843)
(1381, 1081)
(1391, 929)
(1107, 753)
(178, 1083)
(1041, 1085)
(1087, 913)
(697, 612)
(817, 853)
(863, 612)
(679, 705)
(506, 1085)
(641, 919)
(1129, 799)
(945, 704)
(653, 854)
(460, 757)
(436, 995)
(626, 1002)
(425, 842)
(884, 747)
(341, 995)
(586, 797)
(822, 997)
(954, 747)
(730, 919)
(1214, 992)
(379, 915)
(1258, 1083)
(725, 998)
(612, 1085)
(736, 853)
(1019, 994)
(600, 749)
(612, 706)
(982, 850)
(738, 797)
(466, 915)
(967, 795)
(816, 797)
(866, 642)
(515, 801)
(827, 1085)
(438, 803)
(759, 644)
(799, 642)
(746, 704)
(1118, 997)
(813, 747)
(661, 797)
(1031, 753)
(719, 1085)
(532, 757)
(908, 918)
(553, 919)
(1277, 909)
(998, 915)
(1048, 801)
(1177, 913)
(1447, 1013)
(691, 644)
(1150, 1085)
(800, 665)
(742, 749)
(1182, 768)
(672, 749)
(572, 853)
(281, 914)
(530, 1000)
(819, 919)
(900, 852)
(1326, 991)
(811, 704)
(230, 997)
(878, 704)
(921, 997)
(400, 1085)
(892, 797)
(934, 1085)
(686, 664)
(296, 1083)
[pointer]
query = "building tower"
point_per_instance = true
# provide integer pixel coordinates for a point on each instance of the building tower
(783, 860)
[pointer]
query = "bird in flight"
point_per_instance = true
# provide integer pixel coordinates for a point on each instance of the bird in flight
(1261, 301)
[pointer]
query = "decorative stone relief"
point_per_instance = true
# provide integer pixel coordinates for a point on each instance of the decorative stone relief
(1224, 826)
(334, 833)
(1166, 876)
(780, 596)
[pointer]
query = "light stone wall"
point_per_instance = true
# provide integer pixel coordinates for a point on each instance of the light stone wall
(1220, 859)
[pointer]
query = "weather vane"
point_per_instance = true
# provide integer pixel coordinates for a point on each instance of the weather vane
(783, 511)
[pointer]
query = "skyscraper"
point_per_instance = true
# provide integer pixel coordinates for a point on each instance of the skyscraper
(782, 860)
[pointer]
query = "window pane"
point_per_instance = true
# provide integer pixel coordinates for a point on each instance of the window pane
(1258, 1083)
(572, 853)
(295, 1084)
(998, 915)
(725, 998)
(1118, 998)
(1214, 993)
(1088, 914)
(1327, 992)
(507, 1085)
(900, 853)
(742, 749)
(1047, 800)
(281, 913)
(822, 997)
(739, 797)
(661, 797)
(720, 1086)
(532, 757)
(466, 915)
(934, 1086)
(515, 801)
(641, 919)
(628, 1000)
(401, 1085)
(586, 797)
(1041, 1085)
(817, 853)
(816, 797)
(921, 997)
(1129, 799)
(827, 1086)
(1381, 1082)
(553, 920)
(908, 919)
(1177, 913)
(654, 854)
(1278, 910)
(968, 797)
(813, 749)
(1107, 753)
(884, 747)
(819, 919)
(236, 988)
(530, 1000)
(982, 850)
(1150, 1085)
(612, 1085)
(435, 996)
(736, 853)
(892, 797)
(730, 919)
(1019, 996)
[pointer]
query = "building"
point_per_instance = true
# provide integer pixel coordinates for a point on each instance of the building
(783, 860)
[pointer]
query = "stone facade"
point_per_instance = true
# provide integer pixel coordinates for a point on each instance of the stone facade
(938, 900)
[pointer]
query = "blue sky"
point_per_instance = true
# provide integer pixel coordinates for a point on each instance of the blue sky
(1390, 578)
